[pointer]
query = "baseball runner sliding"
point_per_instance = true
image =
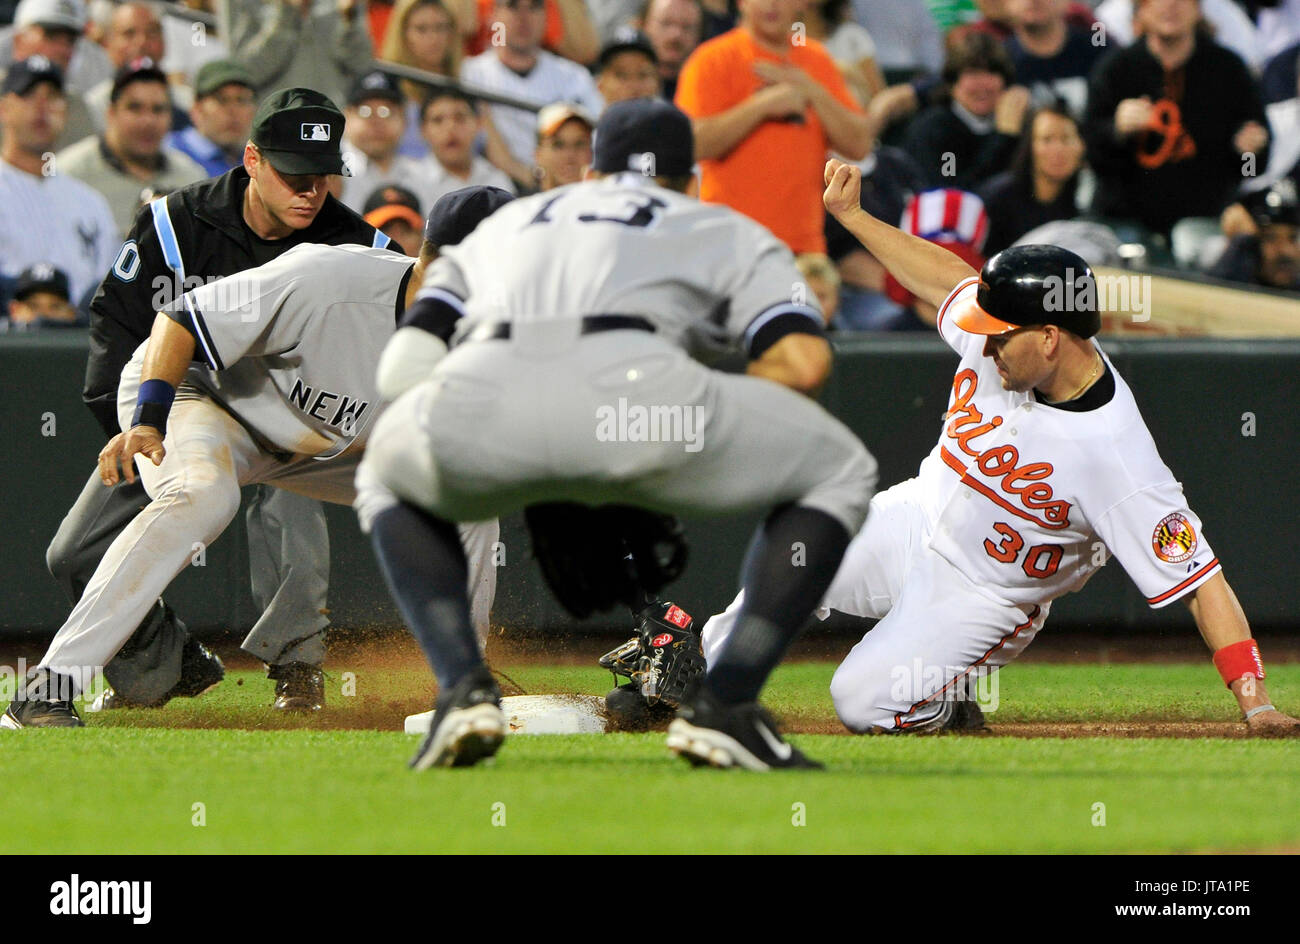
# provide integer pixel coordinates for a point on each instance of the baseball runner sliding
(1043, 469)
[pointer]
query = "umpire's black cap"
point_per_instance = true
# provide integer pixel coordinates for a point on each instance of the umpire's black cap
(646, 135)
(301, 132)
(454, 216)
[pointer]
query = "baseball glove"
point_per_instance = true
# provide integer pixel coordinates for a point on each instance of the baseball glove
(663, 658)
(595, 558)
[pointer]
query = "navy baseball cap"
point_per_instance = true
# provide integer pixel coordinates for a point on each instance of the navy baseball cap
(455, 215)
(41, 277)
(301, 132)
(137, 70)
(1278, 204)
(26, 74)
(646, 135)
(376, 85)
(626, 39)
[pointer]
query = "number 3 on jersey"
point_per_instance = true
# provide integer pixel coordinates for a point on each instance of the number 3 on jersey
(641, 211)
(1040, 561)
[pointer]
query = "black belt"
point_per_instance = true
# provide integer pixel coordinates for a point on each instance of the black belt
(591, 324)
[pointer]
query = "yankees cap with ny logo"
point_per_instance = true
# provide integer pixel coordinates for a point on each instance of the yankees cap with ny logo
(301, 132)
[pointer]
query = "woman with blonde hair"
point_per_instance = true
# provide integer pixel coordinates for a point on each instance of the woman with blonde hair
(428, 35)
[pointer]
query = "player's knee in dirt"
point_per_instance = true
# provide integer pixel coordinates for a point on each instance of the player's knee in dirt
(856, 702)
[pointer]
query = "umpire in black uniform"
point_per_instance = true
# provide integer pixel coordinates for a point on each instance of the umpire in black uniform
(276, 200)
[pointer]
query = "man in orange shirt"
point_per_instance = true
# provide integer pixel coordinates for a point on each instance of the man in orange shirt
(767, 103)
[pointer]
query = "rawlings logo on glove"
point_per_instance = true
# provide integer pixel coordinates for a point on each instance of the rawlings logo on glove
(663, 658)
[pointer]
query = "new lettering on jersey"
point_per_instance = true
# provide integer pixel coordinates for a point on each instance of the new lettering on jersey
(1024, 490)
(295, 367)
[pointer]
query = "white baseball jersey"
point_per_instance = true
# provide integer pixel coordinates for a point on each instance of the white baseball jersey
(1022, 492)
(552, 79)
(59, 220)
(731, 278)
(289, 348)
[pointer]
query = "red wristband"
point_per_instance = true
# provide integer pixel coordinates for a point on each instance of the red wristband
(1239, 660)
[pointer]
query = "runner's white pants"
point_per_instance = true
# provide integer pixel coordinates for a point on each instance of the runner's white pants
(938, 631)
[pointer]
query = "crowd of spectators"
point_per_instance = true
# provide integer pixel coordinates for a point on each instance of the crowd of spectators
(1173, 124)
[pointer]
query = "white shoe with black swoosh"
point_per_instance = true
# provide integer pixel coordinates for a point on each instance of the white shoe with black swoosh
(706, 732)
(468, 725)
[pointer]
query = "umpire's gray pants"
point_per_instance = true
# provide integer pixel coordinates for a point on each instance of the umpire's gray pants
(614, 417)
(288, 556)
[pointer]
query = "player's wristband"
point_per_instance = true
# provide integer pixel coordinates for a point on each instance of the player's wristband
(1239, 660)
(152, 405)
(1259, 710)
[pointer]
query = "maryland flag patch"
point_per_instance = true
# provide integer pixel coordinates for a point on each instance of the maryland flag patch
(1174, 539)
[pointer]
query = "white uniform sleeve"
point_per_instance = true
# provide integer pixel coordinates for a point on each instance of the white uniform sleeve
(767, 291)
(957, 339)
(1158, 540)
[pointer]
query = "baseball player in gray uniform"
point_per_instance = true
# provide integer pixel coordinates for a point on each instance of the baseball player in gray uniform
(267, 376)
(569, 381)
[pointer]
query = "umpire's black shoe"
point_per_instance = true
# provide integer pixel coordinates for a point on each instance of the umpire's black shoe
(707, 732)
(298, 687)
(201, 671)
(467, 727)
(37, 707)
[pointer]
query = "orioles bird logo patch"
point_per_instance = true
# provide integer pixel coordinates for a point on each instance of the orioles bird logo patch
(1174, 539)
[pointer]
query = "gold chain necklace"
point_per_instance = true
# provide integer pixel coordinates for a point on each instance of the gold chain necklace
(1092, 377)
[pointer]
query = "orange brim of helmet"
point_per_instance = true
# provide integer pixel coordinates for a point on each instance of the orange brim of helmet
(967, 314)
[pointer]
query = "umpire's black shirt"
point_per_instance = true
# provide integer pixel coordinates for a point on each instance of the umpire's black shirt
(198, 233)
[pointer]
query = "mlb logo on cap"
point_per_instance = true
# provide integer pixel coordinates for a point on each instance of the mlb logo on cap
(298, 131)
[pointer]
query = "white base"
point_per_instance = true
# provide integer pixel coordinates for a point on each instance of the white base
(538, 714)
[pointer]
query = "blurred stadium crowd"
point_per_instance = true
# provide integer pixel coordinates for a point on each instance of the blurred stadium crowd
(1161, 133)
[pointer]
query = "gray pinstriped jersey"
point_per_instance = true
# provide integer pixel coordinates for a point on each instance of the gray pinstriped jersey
(623, 245)
(290, 348)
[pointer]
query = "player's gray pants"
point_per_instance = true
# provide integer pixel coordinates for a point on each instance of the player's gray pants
(195, 493)
(289, 561)
(619, 416)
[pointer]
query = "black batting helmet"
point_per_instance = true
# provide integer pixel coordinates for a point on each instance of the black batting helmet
(1032, 285)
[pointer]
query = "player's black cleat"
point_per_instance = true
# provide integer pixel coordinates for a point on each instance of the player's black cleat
(298, 687)
(966, 716)
(706, 732)
(39, 707)
(468, 725)
(201, 671)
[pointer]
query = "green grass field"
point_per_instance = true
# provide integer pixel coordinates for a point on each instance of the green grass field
(130, 781)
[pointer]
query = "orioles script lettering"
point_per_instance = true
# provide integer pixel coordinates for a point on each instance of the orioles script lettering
(1023, 483)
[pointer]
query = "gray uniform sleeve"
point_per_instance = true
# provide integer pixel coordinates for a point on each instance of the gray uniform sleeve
(768, 297)
(445, 276)
(246, 313)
